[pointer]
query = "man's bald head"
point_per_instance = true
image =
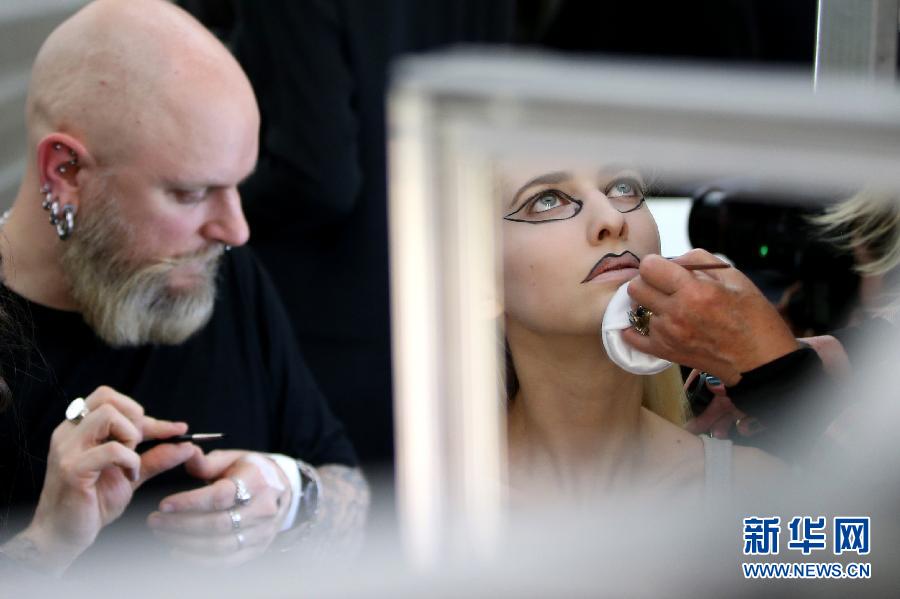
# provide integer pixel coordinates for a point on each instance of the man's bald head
(121, 73)
(141, 127)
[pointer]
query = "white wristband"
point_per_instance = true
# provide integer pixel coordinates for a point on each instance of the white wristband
(289, 466)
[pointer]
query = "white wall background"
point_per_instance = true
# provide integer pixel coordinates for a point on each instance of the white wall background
(671, 216)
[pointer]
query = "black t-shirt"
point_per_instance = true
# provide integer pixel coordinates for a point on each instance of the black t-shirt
(242, 375)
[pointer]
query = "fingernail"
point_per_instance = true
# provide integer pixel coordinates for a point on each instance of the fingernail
(167, 507)
(154, 520)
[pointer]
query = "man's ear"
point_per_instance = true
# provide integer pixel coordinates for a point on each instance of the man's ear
(60, 159)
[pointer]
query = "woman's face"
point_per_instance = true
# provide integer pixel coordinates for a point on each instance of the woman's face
(570, 240)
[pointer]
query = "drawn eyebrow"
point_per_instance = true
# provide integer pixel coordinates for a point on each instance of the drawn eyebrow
(545, 179)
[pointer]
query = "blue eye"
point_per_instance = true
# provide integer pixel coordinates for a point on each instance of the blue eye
(621, 188)
(625, 195)
(547, 201)
(546, 206)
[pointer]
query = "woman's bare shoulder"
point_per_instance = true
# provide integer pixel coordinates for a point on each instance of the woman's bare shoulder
(677, 454)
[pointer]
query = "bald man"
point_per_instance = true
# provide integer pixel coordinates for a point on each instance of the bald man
(141, 125)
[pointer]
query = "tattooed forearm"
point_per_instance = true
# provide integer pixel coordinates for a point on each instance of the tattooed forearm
(21, 549)
(36, 551)
(344, 503)
(23, 552)
(338, 525)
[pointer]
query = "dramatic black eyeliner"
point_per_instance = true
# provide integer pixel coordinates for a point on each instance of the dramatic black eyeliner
(639, 204)
(537, 196)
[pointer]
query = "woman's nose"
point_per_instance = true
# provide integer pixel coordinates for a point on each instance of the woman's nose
(604, 221)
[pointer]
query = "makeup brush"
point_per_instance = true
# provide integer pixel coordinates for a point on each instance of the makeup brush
(704, 266)
(701, 266)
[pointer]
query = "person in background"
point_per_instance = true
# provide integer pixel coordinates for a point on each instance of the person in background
(141, 126)
(769, 385)
(576, 419)
(317, 201)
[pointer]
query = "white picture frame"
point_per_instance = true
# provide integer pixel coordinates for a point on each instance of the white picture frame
(452, 118)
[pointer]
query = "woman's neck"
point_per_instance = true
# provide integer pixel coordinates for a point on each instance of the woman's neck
(577, 417)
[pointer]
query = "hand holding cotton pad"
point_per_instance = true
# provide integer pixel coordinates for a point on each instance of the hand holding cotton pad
(615, 321)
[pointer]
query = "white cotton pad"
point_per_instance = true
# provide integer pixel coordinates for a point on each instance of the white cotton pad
(614, 322)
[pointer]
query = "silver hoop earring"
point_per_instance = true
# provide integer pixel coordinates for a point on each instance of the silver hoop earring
(47, 192)
(54, 212)
(66, 225)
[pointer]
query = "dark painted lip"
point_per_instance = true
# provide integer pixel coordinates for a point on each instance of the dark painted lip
(626, 259)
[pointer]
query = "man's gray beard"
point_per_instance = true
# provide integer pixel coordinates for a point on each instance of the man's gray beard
(128, 304)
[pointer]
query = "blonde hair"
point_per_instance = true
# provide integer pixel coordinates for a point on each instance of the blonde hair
(664, 396)
(870, 219)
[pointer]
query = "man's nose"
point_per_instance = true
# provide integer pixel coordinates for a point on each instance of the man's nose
(605, 223)
(227, 224)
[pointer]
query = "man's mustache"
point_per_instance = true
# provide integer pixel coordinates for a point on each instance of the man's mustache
(207, 254)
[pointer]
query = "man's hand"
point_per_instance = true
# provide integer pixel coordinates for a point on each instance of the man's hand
(720, 415)
(714, 320)
(92, 473)
(208, 525)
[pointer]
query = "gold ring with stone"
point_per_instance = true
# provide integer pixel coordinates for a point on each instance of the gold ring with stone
(640, 319)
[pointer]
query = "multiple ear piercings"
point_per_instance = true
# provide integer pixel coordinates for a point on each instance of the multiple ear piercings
(61, 217)
(73, 162)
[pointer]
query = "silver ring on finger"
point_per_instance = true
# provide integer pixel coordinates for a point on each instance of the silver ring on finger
(77, 410)
(235, 518)
(242, 495)
(240, 540)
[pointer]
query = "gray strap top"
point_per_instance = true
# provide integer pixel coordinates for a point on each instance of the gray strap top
(717, 467)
